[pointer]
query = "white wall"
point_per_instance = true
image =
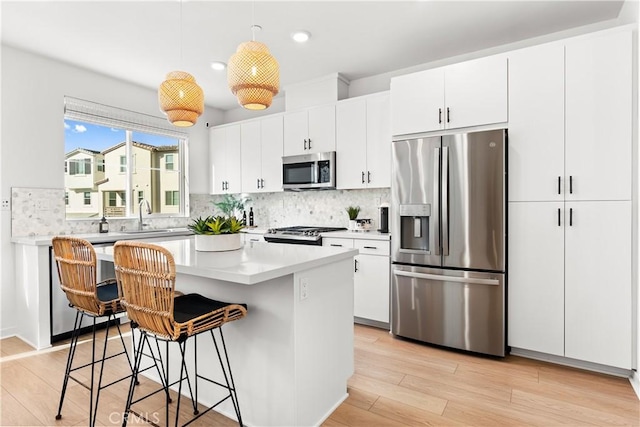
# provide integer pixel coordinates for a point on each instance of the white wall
(32, 136)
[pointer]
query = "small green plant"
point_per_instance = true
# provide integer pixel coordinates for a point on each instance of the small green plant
(230, 205)
(353, 212)
(212, 225)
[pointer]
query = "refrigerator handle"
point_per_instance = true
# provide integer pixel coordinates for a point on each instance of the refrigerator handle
(444, 228)
(434, 222)
(427, 276)
(558, 185)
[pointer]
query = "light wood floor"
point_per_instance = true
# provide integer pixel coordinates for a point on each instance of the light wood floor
(396, 383)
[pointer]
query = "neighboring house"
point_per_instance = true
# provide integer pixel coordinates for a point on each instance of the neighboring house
(84, 170)
(155, 177)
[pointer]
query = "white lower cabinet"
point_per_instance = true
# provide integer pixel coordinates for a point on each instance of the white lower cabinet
(570, 280)
(371, 279)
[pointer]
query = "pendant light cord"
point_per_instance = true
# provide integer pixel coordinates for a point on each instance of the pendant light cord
(253, 21)
(180, 33)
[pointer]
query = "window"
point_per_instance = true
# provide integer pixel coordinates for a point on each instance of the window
(87, 197)
(135, 156)
(171, 198)
(80, 166)
(66, 197)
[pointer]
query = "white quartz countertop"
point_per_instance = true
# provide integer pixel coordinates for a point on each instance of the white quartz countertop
(112, 236)
(253, 263)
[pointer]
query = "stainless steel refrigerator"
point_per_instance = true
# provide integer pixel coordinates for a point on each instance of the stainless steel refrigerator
(448, 240)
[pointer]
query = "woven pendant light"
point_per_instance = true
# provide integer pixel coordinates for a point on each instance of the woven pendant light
(253, 75)
(181, 99)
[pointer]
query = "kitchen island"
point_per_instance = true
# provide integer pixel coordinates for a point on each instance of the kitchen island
(293, 353)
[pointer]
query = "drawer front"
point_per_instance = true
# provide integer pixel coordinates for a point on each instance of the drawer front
(372, 247)
(341, 243)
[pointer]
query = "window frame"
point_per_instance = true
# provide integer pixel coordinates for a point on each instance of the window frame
(86, 199)
(130, 121)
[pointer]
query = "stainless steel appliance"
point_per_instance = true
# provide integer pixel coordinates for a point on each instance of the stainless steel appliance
(300, 235)
(315, 171)
(448, 246)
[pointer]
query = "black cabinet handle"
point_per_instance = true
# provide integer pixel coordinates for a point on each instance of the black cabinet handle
(570, 184)
(439, 115)
(363, 177)
(355, 266)
(258, 182)
(369, 247)
(309, 143)
(305, 144)
(222, 185)
(559, 217)
(448, 115)
(261, 183)
(335, 244)
(558, 185)
(368, 177)
(571, 217)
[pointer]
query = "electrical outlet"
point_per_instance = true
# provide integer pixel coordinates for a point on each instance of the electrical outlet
(304, 288)
(5, 205)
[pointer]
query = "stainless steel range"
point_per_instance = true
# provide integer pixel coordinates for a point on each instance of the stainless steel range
(300, 235)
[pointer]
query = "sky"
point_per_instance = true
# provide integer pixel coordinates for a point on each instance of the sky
(99, 138)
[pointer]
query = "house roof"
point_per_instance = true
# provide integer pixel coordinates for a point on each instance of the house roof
(144, 146)
(82, 150)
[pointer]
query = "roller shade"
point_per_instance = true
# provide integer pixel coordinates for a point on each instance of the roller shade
(92, 112)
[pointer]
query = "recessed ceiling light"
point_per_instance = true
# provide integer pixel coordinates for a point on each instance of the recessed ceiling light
(301, 36)
(218, 65)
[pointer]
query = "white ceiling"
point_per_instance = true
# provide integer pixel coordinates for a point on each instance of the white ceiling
(139, 41)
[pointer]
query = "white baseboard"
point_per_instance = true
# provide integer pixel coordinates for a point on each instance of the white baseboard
(574, 363)
(635, 382)
(8, 332)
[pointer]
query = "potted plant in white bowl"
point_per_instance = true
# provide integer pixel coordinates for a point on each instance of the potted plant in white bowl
(217, 233)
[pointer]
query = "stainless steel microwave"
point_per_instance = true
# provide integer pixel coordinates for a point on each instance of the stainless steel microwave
(309, 172)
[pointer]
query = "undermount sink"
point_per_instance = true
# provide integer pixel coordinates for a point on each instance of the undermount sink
(149, 230)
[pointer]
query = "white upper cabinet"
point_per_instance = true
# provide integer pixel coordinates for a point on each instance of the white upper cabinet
(416, 102)
(224, 159)
(599, 117)
(262, 155)
(363, 142)
(310, 131)
(470, 93)
(536, 123)
(272, 137)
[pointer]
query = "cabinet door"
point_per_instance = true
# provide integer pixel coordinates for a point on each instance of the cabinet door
(598, 300)
(250, 154)
(536, 124)
(295, 133)
(233, 167)
(217, 159)
(378, 142)
(322, 129)
(272, 137)
(599, 117)
(351, 144)
(417, 101)
(536, 277)
(476, 92)
(371, 288)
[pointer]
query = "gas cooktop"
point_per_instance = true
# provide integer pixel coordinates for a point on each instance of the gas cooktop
(306, 235)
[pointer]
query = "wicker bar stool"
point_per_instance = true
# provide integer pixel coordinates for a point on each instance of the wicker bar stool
(76, 263)
(146, 274)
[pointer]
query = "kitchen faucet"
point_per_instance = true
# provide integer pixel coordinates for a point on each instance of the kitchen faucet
(145, 202)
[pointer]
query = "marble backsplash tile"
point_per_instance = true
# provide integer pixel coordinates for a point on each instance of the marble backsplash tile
(321, 208)
(41, 211)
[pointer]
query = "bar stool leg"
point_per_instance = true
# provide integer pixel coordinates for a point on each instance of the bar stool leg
(132, 384)
(229, 380)
(72, 349)
(104, 354)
